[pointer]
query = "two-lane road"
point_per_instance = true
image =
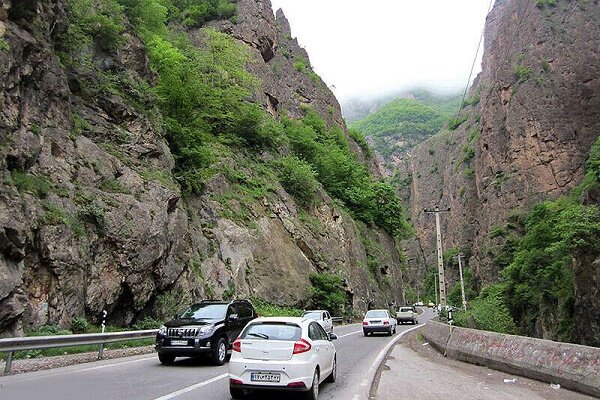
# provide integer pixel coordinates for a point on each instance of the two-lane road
(144, 378)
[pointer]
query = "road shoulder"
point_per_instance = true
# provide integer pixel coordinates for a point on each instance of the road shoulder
(413, 367)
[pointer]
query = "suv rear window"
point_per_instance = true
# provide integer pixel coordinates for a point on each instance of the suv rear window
(272, 331)
(405, 309)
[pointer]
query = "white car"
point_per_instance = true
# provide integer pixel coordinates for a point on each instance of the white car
(322, 317)
(379, 321)
(282, 353)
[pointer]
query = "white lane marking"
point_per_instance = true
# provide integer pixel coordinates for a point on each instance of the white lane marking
(348, 334)
(51, 373)
(111, 365)
(193, 387)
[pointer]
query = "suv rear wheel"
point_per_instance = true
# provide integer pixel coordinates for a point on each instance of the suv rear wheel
(220, 352)
(166, 359)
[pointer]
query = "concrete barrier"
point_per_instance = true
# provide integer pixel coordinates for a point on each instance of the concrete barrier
(572, 366)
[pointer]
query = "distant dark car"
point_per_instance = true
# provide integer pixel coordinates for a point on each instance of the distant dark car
(206, 328)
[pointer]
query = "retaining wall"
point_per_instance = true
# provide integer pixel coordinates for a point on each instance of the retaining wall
(572, 366)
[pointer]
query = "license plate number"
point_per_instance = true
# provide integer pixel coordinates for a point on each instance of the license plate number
(179, 342)
(264, 377)
(376, 322)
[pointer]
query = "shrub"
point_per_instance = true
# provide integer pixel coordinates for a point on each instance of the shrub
(39, 186)
(457, 121)
(488, 312)
(299, 179)
(147, 323)
(79, 325)
(327, 292)
(266, 309)
(522, 73)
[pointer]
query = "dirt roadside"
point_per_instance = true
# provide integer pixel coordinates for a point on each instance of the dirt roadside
(413, 368)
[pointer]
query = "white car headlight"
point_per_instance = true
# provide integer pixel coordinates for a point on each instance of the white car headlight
(162, 330)
(205, 330)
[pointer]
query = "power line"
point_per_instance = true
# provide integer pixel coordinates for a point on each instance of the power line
(474, 59)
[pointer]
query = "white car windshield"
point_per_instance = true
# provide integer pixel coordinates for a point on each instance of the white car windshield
(316, 315)
(376, 314)
(272, 331)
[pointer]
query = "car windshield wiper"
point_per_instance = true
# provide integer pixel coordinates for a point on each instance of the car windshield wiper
(260, 335)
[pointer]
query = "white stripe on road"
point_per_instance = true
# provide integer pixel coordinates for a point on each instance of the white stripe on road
(111, 365)
(348, 334)
(193, 387)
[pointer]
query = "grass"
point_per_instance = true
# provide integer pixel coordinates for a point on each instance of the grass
(266, 309)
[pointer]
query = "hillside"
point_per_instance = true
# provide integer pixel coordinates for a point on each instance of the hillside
(156, 153)
(519, 172)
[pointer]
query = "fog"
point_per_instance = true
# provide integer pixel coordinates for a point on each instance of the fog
(370, 49)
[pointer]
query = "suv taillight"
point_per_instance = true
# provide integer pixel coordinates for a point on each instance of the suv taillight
(365, 323)
(301, 346)
(237, 345)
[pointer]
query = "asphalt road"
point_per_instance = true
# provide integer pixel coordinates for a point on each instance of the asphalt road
(144, 378)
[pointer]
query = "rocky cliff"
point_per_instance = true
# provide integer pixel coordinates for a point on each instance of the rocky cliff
(91, 217)
(525, 138)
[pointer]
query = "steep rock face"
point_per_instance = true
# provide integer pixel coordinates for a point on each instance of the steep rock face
(531, 133)
(91, 218)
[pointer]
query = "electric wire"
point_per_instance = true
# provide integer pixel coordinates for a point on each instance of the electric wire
(474, 60)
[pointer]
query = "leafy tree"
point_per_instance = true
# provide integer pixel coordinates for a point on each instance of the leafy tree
(327, 292)
(299, 179)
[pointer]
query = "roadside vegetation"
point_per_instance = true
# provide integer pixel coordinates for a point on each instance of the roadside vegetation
(536, 260)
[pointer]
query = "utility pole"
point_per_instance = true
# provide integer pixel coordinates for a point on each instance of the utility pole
(435, 278)
(436, 210)
(462, 283)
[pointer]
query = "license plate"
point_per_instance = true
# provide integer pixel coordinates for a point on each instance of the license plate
(179, 342)
(376, 322)
(264, 377)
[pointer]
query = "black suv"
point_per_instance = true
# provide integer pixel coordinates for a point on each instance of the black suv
(206, 328)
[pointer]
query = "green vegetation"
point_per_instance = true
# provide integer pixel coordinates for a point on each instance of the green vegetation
(522, 73)
(359, 138)
(542, 3)
(327, 292)
(299, 179)
(488, 312)
(407, 120)
(4, 46)
(457, 121)
(37, 185)
(266, 309)
(343, 176)
(536, 259)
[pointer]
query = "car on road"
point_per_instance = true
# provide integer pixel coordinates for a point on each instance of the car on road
(407, 314)
(379, 321)
(282, 353)
(322, 317)
(207, 328)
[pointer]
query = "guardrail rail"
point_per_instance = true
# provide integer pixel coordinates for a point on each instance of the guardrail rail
(11, 345)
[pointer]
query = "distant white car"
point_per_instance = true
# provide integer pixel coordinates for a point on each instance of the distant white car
(282, 353)
(407, 314)
(322, 317)
(379, 321)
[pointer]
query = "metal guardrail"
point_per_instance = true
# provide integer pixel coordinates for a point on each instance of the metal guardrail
(11, 345)
(337, 319)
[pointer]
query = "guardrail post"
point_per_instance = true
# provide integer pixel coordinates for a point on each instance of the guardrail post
(101, 351)
(9, 358)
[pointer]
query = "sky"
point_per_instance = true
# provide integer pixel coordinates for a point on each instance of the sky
(366, 49)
